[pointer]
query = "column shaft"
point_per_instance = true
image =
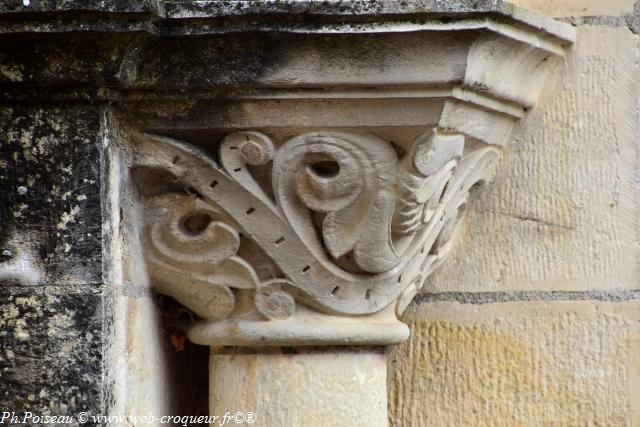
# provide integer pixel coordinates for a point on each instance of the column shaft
(330, 387)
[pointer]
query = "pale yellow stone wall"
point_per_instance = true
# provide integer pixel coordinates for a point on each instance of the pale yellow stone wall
(563, 212)
(535, 318)
(519, 364)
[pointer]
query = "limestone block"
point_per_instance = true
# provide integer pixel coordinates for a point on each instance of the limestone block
(149, 368)
(518, 364)
(563, 212)
(565, 8)
(50, 212)
(50, 259)
(50, 351)
(51, 61)
(323, 388)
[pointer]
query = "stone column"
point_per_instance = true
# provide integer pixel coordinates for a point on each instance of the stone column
(302, 386)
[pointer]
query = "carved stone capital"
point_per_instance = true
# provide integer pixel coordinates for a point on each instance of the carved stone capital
(324, 235)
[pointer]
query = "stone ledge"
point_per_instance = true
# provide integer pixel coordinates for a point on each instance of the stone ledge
(151, 16)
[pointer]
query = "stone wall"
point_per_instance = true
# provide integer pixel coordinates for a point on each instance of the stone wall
(51, 254)
(534, 320)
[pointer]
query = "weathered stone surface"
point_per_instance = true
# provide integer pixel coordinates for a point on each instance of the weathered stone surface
(289, 10)
(532, 363)
(50, 258)
(149, 365)
(563, 212)
(326, 387)
(50, 351)
(568, 222)
(58, 59)
(50, 208)
(566, 8)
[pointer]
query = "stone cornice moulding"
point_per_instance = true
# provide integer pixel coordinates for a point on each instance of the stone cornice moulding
(171, 17)
(324, 235)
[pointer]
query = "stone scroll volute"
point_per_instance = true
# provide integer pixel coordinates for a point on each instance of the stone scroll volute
(323, 187)
(337, 229)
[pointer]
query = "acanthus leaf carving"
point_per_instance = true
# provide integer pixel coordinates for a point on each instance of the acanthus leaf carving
(187, 234)
(423, 175)
(349, 178)
(476, 168)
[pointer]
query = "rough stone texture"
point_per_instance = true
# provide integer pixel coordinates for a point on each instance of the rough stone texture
(524, 364)
(149, 366)
(569, 196)
(563, 212)
(562, 217)
(50, 351)
(566, 8)
(50, 258)
(50, 212)
(304, 389)
(534, 319)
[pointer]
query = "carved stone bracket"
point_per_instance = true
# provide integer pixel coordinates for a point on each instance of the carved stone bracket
(341, 225)
(324, 235)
